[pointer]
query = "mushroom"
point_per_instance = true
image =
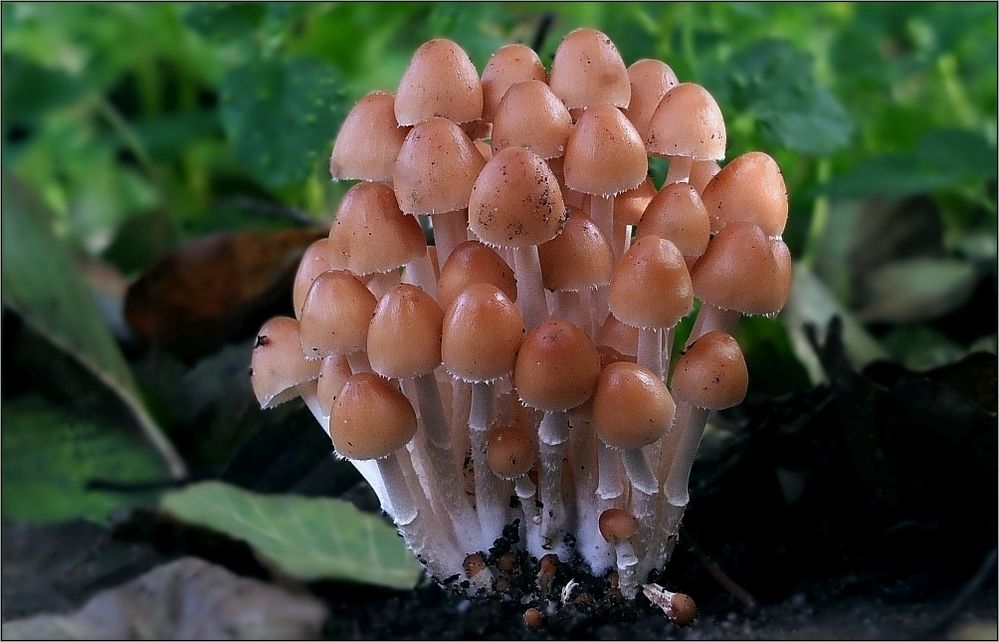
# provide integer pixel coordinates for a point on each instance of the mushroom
(628, 210)
(277, 365)
(315, 261)
(701, 172)
(687, 126)
(472, 262)
(750, 188)
(677, 214)
(335, 319)
(369, 140)
(650, 80)
(439, 81)
(509, 64)
(511, 451)
(588, 70)
(678, 607)
(618, 526)
(531, 116)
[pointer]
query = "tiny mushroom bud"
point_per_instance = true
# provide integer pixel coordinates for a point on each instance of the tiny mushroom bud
(617, 527)
(277, 365)
(678, 607)
(440, 81)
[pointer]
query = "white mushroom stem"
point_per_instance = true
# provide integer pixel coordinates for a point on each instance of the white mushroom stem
(530, 289)
(602, 215)
(591, 545)
(428, 399)
(450, 230)
(690, 421)
(620, 239)
(420, 272)
(491, 498)
(358, 362)
(610, 484)
(400, 504)
(679, 169)
(381, 283)
(650, 352)
(710, 318)
(627, 563)
(553, 433)
(572, 308)
(527, 492)
(482, 413)
(643, 481)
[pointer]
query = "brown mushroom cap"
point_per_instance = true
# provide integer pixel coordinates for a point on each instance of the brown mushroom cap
(436, 168)
(579, 258)
(516, 201)
(632, 407)
(333, 374)
(688, 122)
(711, 373)
(508, 65)
(629, 206)
(620, 336)
(632, 297)
(315, 261)
(743, 270)
(277, 364)
(369, 140)
(701, 172)
(511, 451)
(588, 70)
(371, 419)
(531, 116)
(404, 336)
(440, 81)
(472, 354)
(370, 234)
(750, 188)
(677, 214)
(617, 525)
(604, 154)
(650, 80)
(472, 262)
(335, 316)
(557, 366)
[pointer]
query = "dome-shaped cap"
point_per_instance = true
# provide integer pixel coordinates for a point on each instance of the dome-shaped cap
(688, 122)
(605, 155)
(557, 366)
(482, 332)
(511, 450)
(651, 286)
(334, 373)
(277, 364)
(629, 206)
(677, 214)
(531, 116)
(701, 172)
(743, 270)
(315, 261)
(510, 64)
(620, 336)
(650, 80)
(472, 262)
(516, 201)
(436, 168)
(711, 373)
(369, 140)
(631, 406)
(588, 70)
(371, 419)
(404, 337)
(579, 258)
(335, 316)
(617, 525)
(370, 234)
(440, 81)
(750, 188)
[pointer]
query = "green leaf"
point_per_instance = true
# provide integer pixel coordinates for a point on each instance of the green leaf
(281, 115)
(42, 284)
(917, 289)
(307, 538)
(50, 456)
(224, 19)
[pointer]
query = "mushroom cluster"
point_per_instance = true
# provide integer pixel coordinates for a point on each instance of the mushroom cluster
(507, 389)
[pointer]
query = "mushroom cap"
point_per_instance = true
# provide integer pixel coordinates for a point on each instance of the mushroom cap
(511, 451)
(335, 316)
(557, 366)
(531, 116)
(334, 373)
(277, 364)
(701, 172)
(579, 258)
(750, 188)
(629, 206)
(743, 270)
(516, 201)
(369, 140)
(682, 609)
(711, 373)
(510, 64)
(436, 168)
(650, 80)
(440, 81)
(588, 70)
(620, 336)
(632, 407)
(617, 525)
(677, 214)
(472, 354)
(688, 122)
(370, 234)
(404, 336)
(632, 299)
(604, 155)
(371, 419)
(315, 261)
(472, 262)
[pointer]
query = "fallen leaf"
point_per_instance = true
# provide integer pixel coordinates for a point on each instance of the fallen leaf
(306, 538)
(188, 599)
(917, 290)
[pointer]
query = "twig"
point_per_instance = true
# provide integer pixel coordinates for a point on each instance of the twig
(265, 208)
(715, 571)
(543, 28)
